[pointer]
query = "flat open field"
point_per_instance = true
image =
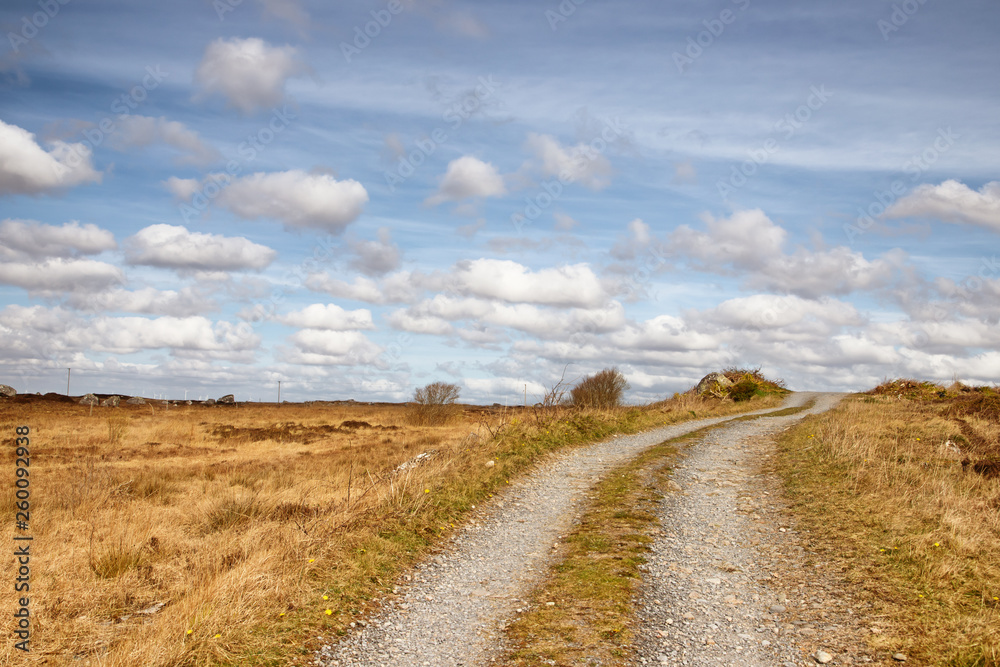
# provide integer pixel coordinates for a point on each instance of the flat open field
(232, 534)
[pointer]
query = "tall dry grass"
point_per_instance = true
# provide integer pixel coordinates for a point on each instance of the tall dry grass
(881, 485)
(237, 534)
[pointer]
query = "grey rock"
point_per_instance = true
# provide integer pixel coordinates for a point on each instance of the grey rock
(777, 609)
(6, 391)
(899, 657)
(136, 400)
(228, 399)
(210, 401)
(111, 401)
(89, 399)
(712, 382)
(822, 657)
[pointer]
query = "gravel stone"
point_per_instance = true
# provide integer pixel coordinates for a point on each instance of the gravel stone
(452, 608)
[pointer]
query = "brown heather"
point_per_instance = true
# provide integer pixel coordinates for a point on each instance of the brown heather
(249, 522)
(917, 532)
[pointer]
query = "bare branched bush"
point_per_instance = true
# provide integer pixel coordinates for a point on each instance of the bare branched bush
(603, 390)
(435, 403)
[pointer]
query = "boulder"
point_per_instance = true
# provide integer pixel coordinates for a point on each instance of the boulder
(111, 401)
(712, 383)
(6, 391)
(136, 400)
(228, 399)
(89, 399)
(210, 401)
(187, 402)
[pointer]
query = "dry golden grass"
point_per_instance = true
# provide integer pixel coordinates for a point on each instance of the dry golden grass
(257, 526)
(883, 493)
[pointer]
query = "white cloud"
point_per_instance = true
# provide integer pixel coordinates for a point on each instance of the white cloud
(125, 335)
(140, 131)
(376, 258)
(399, 287)
(345, 348)
(952, 201)
(148, 300)
(174, 247)
(573, 285)
(61, 275)
(250, 73)
(577, 164)
(26, 168)
(468, 177)
(564, 222)
(420, 323)
(71, 239)
(182, 188)
(329, 317)
(639, 238)
(749, 243)
(297, 198)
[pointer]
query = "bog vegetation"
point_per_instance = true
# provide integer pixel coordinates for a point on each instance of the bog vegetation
(238, 534)
(901, 486)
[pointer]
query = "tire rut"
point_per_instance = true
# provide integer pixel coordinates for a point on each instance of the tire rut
(453, 607)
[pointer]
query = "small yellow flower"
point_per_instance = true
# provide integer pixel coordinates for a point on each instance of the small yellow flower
(918, 439)
(190, 631)
(217, 636)
(311, 560)
(328, 612)
(920, 595)
(281, 614)
(937, 544)
(427, 490)
(326, 597)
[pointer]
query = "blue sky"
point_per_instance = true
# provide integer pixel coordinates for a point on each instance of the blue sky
(203, 197)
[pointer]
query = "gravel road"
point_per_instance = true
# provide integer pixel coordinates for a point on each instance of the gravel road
(453, 608)
(727, 582)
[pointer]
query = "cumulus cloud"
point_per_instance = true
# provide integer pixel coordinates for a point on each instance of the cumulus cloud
(399, 287)
(36, 239)
(749, 243)
(468, 177)
(250, 73)
(328, 317)
(174, 247)
(573, 285)
(577, 164)
(59, 274)
(148, 300)
(141, 131)
(126, 335)
(376, 258)
(435, 315)
(297, 198)
(639, 237)
(27, 168)
(952, 201)
(344, 348)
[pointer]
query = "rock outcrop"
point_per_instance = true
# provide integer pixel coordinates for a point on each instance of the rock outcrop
(228, 399)
(136, 400)
(89, 399)
(111, 401)
(6, 391)
(712, 383)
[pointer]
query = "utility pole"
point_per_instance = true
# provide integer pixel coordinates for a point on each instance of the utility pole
(279, 392)
(69, 371)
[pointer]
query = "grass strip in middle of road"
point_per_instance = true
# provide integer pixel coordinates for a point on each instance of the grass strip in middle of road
(583, 612)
